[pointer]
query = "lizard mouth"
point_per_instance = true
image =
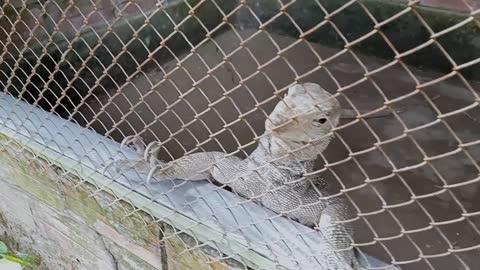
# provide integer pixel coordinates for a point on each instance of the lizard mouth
(301, 142)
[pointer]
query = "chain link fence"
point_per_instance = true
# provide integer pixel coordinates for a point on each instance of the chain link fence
(204, 75)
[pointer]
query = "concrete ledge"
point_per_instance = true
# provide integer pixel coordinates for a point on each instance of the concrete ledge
(85, 154)
(63, 166)
(50, 211)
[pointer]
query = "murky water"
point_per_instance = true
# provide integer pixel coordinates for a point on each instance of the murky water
(187, 124)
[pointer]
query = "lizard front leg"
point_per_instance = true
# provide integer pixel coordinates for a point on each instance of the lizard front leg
(139, 165)
(338, 235)
(196, 166)
(199, 166)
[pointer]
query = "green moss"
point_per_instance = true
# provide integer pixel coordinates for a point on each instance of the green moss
(27, 182)
(4, 137)
(6, 140)
(182, 255)
(78, 209)
(26, 255)
(138, 226)
(27, 173)
(179, 258)
(79, 202)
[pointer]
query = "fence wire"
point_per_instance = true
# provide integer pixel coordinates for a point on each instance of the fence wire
(204, 75)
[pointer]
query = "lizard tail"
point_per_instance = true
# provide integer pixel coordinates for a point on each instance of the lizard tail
(365, 261)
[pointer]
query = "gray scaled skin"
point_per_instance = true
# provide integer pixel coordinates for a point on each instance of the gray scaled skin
(296, 132)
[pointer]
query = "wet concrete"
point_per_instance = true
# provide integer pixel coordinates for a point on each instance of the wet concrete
(187, 124)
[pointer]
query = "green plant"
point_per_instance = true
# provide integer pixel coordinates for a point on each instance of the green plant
(5, 254)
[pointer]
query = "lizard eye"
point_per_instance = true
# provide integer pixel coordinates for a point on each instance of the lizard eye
(319, 122)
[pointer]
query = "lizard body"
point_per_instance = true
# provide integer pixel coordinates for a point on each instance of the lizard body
(276, 174)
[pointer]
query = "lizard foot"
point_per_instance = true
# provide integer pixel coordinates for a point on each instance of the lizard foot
(151, 155)
(146, 162)
(136, 142)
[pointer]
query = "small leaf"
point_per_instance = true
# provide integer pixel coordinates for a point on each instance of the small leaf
(3, 248)
(25, 258)
(21, 255)
(17, 260)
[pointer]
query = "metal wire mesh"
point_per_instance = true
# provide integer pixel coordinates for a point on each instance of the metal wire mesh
(203, 76)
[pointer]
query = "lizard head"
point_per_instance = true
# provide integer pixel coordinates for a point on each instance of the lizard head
(302, 122)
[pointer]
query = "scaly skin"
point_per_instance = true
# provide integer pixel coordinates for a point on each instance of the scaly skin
(297, 130)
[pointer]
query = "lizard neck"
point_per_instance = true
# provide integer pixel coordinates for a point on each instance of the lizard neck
(270, 147)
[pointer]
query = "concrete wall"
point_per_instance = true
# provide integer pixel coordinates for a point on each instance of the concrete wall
(46, 214)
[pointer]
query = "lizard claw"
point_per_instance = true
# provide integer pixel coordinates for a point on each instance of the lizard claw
(136, 142)
(150, 175)
(126, 165)
(108, 166)
(151, 148)
(150, 155)
(151, 152)
(148, 161)
(153, 170)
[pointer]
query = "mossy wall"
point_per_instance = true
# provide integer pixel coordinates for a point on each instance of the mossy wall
(66, 223)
